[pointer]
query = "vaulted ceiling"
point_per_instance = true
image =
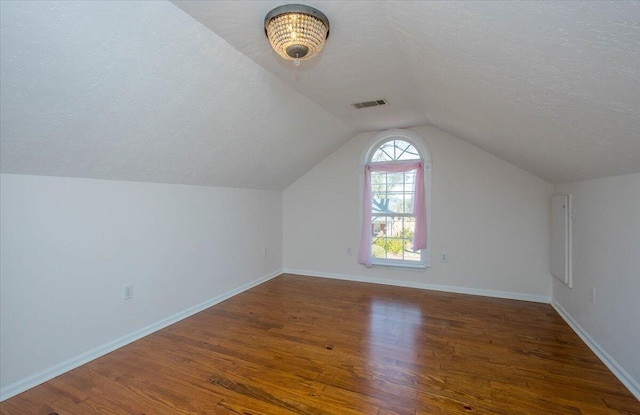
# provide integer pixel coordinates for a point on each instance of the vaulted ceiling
(144, 91)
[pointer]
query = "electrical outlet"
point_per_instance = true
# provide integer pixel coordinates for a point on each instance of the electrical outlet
(444, 257)
(349, 253)
(127, 292)
(592, 295)
(265, 251)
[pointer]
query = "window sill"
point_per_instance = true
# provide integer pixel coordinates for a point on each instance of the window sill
(400, 264)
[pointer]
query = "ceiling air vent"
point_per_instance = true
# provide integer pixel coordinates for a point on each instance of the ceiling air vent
(368, 104)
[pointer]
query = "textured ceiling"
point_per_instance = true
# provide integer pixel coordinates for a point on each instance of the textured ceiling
(552, 87)
(138, 90)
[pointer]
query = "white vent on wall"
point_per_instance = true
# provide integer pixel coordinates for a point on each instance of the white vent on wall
(368, 104)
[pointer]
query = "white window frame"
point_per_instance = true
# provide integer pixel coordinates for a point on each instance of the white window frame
(418, 142)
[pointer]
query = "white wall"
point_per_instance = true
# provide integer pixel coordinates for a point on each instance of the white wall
(606, 256)
(69, 245)
(140, 91)
(490, 216)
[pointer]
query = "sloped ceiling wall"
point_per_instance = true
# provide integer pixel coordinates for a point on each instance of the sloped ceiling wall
(550, 86)
(553, 87)
(140, 91)
(144, 91)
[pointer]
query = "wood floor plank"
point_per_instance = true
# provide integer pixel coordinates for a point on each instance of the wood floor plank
(301, 345)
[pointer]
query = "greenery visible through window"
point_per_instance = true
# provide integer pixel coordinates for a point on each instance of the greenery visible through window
(392, 218)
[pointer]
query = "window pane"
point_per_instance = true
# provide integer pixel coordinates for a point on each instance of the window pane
(395, 150)
(408, 203)
(408, 152)
(392, 192)
(409, 177)
(380, 205)
(394, 179)
(393, 237)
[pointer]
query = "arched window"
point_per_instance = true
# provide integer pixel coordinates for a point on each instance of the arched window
(397, 182)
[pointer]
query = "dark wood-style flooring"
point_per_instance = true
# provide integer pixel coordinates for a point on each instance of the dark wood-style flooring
(301, 345)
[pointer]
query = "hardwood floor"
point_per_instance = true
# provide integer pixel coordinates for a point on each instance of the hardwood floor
(300, 345)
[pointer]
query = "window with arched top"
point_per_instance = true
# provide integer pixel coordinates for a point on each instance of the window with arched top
(396, 194)
(395, 150)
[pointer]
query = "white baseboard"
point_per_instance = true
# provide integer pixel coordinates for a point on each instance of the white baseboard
(67, 365)
(62, 367)
(632, 384)
(434, 287)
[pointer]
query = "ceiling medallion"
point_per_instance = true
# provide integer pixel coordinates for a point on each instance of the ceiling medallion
(296, 32)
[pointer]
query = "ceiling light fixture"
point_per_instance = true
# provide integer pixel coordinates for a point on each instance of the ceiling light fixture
(296, 32)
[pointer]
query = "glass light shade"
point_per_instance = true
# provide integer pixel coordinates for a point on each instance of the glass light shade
(296, 32)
